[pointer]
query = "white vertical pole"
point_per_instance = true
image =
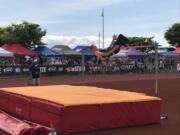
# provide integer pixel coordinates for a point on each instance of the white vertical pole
(102, 27)
(156, 69)
(156, 75)
(99, 40)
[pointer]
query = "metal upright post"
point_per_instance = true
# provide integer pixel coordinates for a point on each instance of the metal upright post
(156, 69)
(99, 40)
(82, 65)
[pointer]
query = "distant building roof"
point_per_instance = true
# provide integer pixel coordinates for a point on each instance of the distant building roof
(65, 50)
(85, 50)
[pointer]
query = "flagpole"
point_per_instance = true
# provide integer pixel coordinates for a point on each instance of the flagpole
(103, 27)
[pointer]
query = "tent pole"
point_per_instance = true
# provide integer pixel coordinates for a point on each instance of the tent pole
(82, 65)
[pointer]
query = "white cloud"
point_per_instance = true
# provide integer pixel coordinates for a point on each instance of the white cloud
(159, 37)
(72, 41)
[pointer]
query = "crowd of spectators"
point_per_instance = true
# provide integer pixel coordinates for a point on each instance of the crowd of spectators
(6, 61)
(124, 65)
(104, 65)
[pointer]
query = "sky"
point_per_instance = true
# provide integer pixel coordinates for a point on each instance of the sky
(79, 22)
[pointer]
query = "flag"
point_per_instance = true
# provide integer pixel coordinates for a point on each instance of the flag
(102, 13)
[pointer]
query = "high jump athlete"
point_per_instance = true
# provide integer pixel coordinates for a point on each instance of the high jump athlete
(114, 47)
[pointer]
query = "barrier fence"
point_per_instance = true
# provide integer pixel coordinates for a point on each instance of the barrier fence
(45, 69)
(87, 69)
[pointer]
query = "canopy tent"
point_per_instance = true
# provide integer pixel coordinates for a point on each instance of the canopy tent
(170, 54)
(177, 50)
(85, 50)
(121, 53)
(19, 50)
(133, 53)
(4, 53)
(65, 50)
(45, 51)
(159, 51)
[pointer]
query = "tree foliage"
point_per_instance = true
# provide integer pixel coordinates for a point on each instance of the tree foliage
(28, 34)
(143, 41)
(172, 35)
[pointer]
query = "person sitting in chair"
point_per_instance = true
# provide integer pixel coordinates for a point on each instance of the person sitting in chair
(114, 47)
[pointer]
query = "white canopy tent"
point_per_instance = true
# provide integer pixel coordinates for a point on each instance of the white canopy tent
(4, 53)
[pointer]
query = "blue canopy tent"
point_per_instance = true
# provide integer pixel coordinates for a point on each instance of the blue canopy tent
(170, 54)
(85, 50)
(45, 51)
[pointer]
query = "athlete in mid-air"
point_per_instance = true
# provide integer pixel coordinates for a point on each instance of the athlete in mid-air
(114, 47)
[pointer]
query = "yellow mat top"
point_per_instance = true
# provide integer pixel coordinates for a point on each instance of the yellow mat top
(68, 95)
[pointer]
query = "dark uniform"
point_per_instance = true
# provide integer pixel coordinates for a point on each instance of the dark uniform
(120, 41)
(35, 72)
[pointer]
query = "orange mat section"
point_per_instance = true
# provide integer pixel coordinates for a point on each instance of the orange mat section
(68, 95)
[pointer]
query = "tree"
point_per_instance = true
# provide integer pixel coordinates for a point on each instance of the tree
(28, 34)
(6, 35)
(1, 34)
(172, 35)
(143, 41)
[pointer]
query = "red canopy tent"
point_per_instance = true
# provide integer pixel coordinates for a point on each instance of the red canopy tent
(19, 50)
(177, 50)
